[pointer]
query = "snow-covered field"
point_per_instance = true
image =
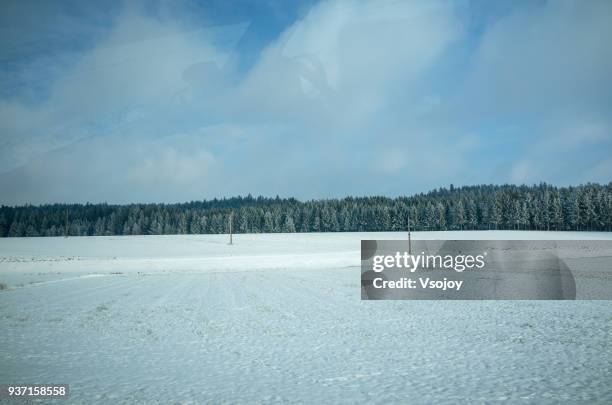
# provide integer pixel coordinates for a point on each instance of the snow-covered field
(278, 318)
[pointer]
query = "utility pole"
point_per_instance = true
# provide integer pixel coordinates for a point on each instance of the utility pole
(409, 241)
(231, 217)
(66, 226)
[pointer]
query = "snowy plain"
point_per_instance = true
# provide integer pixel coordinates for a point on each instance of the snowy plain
(278, 318)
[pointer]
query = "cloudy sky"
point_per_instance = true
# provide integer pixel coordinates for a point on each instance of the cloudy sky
(166, 101)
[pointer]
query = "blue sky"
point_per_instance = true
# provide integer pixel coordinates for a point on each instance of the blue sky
(176, 101)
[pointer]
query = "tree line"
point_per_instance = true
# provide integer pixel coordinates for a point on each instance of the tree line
(483, 207)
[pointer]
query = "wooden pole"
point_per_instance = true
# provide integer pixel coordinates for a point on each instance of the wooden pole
(409, 241)
(231, 217)
(66, 226)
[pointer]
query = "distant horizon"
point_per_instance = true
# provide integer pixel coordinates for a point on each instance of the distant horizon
(538, 207)
(305, 200)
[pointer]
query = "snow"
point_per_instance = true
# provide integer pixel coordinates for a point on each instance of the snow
(278, 318)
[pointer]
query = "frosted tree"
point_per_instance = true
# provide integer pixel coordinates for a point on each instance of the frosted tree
(268, 222)
(289, 226)
(542, 206)
(460, 215)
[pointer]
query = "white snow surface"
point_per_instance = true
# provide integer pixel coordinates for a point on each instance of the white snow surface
(278, 318)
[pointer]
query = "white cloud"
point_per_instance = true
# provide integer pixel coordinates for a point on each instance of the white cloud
(141, 67)
(171, 166)
(549, 57)
(368, 45)
(360, 97)
(349, 54)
